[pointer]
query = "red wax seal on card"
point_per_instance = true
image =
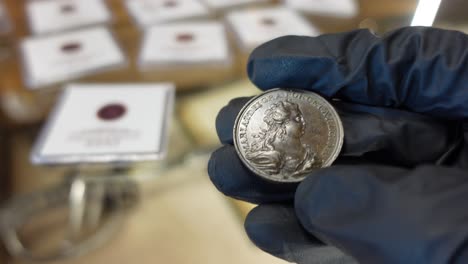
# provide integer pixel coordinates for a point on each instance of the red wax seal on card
(68, 8)
(268, 21)
(111, 112)
(71, 47)
(170, 3)
(185, 37)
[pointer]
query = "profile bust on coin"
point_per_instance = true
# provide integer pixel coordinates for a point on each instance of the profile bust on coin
(278, 148)
(282, 135)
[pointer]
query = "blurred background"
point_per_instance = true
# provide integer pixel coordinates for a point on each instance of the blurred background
(177, 216)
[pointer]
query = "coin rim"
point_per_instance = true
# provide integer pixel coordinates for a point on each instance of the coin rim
(332, 158)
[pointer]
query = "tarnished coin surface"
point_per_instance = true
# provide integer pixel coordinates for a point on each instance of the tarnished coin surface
(281, 135)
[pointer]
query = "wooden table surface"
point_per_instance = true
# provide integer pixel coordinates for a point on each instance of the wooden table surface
(22, 106)
(202, 230)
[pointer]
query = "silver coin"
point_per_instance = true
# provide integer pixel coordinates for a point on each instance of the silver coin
(282, 135)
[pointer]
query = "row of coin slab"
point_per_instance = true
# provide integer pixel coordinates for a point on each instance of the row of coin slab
(51, 16)
(187, 53)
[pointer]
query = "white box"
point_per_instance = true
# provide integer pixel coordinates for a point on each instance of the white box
(254, 27)
(94, 123)
(149, 12)
(47, 16)
(185, 43)
(227, 4)
(191, 55)
(50, 60)
(332, 8)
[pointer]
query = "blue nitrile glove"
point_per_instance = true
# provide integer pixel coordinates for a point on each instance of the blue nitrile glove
(398, 193)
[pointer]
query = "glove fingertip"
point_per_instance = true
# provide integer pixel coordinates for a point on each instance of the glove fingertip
(297, 62)
(212, 170)
(272, 227)
(275, 229)
(226, 118)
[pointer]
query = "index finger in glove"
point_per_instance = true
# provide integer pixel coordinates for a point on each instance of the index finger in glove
(419, 69)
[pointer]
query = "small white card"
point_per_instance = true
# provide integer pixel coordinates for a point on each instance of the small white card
(225, 4)
(334, 8)
(254, 27)
(94, 123)
(185, 43)
(149, 12)
(48, 16)
(68, 56)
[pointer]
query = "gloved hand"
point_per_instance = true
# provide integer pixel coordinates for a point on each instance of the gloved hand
(398, 193)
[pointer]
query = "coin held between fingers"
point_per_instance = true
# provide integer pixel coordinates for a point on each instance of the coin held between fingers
(283, 134)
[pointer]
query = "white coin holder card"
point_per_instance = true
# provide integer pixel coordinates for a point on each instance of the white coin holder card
(254, 27)
(67, 56)
(150, 12)
(228, 4)
(50, 16)
(331, 8)
(103, 123)
(196, 43)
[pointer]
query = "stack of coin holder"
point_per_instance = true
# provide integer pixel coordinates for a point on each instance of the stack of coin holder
(192, 43)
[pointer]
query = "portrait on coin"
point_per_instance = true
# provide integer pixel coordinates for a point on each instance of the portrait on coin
(278, 149)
